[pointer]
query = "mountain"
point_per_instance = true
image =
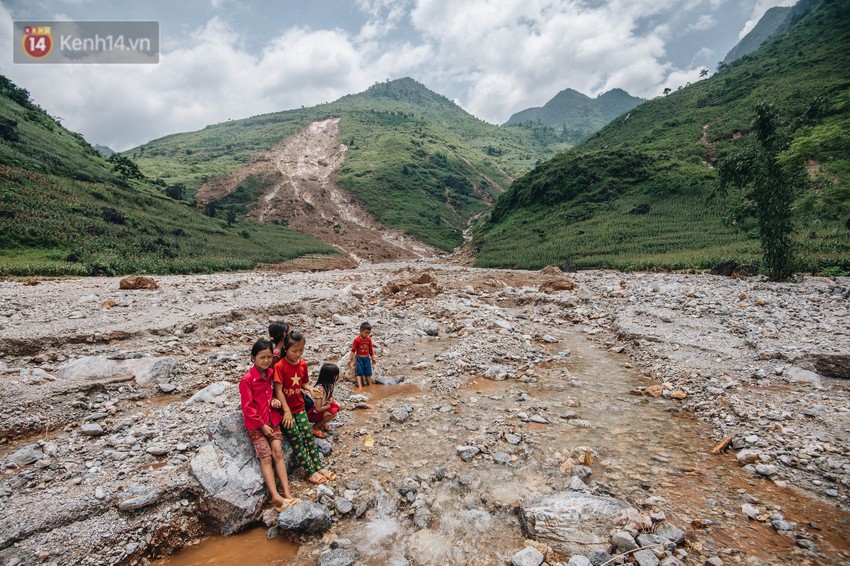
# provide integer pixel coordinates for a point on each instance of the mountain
(636, 193)
(66, 210)
(104, 150)
(772, 22)
(575, 116)
(414, 160)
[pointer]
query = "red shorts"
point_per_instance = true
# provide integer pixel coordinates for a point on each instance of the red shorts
(262, 443)
(315, 417)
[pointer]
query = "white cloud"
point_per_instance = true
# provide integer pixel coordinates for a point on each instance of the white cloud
(760, 8)
(209, 78)
(705, 21)
(494, 57)
(519, 53)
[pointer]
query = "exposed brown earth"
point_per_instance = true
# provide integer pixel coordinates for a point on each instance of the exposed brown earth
(303, 192)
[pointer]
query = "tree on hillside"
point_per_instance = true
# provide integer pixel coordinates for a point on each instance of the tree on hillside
(703, 73)
(125, 167)
(771, 188)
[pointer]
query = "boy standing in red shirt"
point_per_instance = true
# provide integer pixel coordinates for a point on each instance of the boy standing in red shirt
(364, 355)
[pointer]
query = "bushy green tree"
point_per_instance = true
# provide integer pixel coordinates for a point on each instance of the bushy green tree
(770, 186)
(125, 167)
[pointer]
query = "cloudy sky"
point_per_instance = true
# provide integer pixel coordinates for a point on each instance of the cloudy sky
(229, 59)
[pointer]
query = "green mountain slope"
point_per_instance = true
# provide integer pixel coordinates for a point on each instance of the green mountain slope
(772, 22)
(574, 116)
(634, 194)
(64, 211)
(416, 160)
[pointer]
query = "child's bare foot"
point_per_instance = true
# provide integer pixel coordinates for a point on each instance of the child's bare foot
(328, 474)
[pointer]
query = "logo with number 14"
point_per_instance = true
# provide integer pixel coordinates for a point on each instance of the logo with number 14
(37, 41)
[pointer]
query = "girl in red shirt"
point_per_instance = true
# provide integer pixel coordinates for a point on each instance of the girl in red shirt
(290, 378)
(262, 423)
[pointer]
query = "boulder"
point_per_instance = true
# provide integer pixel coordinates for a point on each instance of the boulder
(572, 522)
(305, 517)
(27, 455)
(131, 283)
(145, 371)
(228, 472)
(212, 392)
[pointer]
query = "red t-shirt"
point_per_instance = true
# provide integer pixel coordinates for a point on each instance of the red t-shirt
(255, 391)
(292, 377)
(362, 346)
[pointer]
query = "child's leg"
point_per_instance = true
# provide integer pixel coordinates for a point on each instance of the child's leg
(280, 466)
(326, 418)
(359, 382)
(305, 449)
(268, 478)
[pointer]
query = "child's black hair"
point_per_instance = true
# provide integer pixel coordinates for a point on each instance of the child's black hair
(259, 346)
(277, 331)
(365, 326)
(328, 374)
(291, 338)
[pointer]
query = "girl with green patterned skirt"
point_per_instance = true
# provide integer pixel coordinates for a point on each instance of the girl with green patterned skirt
(290, 378)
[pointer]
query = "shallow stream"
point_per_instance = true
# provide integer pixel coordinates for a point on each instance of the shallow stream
(640, 447)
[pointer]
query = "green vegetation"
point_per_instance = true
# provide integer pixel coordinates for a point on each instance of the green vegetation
(771, 188)
(416, 161)
(65, 210)
(636, 193)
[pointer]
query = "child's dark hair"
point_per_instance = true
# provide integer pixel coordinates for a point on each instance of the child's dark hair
(328, 374)
(290, 338)
(365, 326)
(277, 331)
(259, 346)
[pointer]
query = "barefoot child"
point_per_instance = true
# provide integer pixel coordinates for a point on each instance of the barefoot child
(290, 378)
(262, 423)
(363, 355)
(325, 409)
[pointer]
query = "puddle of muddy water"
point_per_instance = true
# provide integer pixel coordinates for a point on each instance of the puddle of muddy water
(642, 447)
(249, 547)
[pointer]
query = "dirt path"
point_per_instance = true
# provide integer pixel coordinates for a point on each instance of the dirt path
(304, 192)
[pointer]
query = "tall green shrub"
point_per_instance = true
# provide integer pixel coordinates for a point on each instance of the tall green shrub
(770, 186)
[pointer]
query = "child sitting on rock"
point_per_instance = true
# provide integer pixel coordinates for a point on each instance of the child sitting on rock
(263, 423)
(325, 409)
(290, 379)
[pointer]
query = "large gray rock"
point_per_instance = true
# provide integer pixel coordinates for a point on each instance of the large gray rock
(229, 474)
(212, 392)
(23, 456)
(145, 371)
(305, 517)
(572, 522)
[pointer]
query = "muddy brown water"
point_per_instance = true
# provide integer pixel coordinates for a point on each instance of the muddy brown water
(642, 447)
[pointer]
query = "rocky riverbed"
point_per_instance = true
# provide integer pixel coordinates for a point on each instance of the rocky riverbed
(513, 402)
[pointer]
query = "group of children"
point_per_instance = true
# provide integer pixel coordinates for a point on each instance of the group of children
(276, 391)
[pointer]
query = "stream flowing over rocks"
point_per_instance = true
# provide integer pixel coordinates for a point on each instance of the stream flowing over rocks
(517, 417)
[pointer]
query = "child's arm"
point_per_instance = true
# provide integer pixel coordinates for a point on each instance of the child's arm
(252, 416)
(287, 414)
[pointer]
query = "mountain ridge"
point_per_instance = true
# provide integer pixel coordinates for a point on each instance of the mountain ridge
(576, 115)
